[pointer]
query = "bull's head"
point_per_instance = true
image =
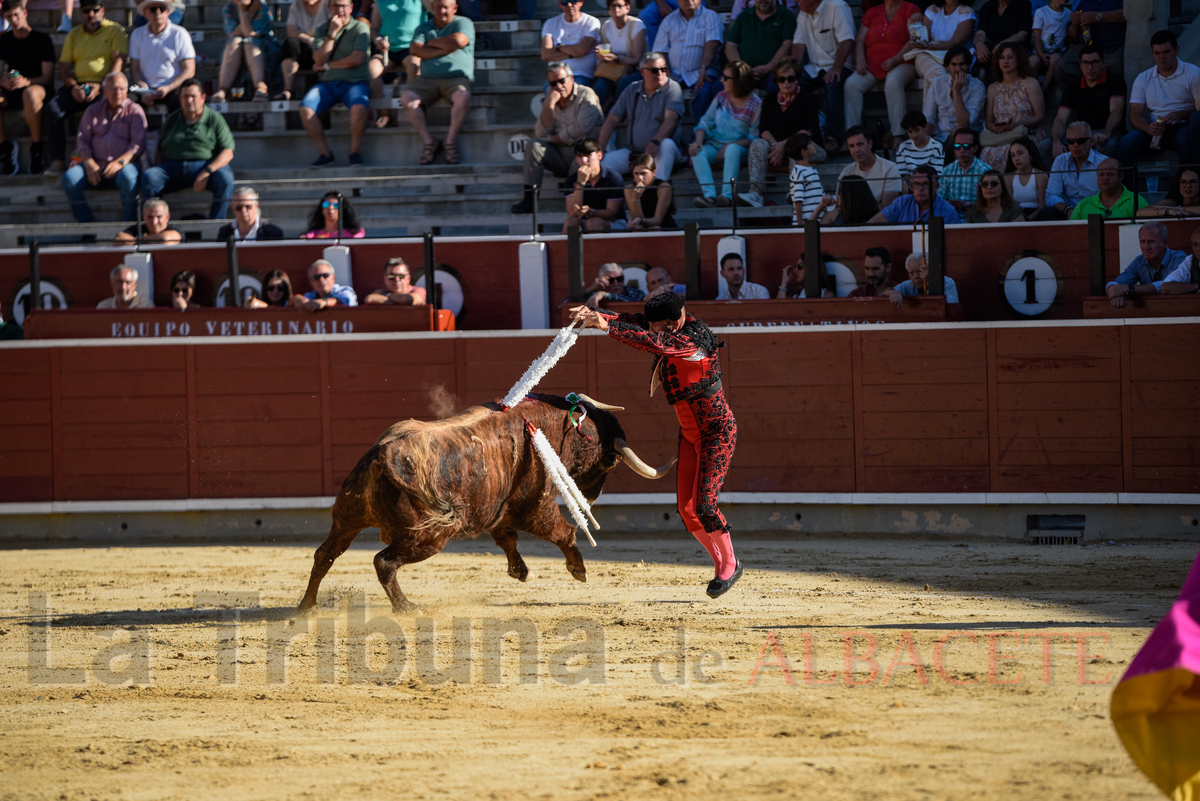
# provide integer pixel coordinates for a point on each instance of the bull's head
(594, 459)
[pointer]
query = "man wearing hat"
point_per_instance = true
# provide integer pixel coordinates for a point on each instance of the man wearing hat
(687, 368)
(91, 51)
(161, 55)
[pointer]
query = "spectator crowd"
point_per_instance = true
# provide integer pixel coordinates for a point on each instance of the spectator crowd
(1024, 113)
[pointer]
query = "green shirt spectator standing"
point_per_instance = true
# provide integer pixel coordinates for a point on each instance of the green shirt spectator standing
(341, 48)
(195, 148)
(761, 36)
(443, 57)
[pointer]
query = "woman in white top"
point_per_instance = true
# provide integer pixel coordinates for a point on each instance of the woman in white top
(946, 24)
(1026, 176)
(625, 39)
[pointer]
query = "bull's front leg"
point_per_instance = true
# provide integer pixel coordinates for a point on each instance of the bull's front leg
(507, 540)
(551, 527)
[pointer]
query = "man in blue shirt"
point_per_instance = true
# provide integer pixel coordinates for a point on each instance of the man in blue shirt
(918, 282)
(325, 292)
(1145, 274)
(921, 204)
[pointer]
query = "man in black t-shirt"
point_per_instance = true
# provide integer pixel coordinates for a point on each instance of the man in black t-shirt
(1098, 98)
(595, 194)
(30, 55)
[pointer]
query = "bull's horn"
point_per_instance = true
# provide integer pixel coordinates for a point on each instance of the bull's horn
(604, 407)
(637, 465)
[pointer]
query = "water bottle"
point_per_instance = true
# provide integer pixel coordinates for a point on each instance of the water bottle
(1156, 142)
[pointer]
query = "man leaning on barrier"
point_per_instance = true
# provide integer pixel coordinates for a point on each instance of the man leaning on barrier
(125, 295)
(325, 292)
(1149, 270)
(877, 266)
(1186, 277)
(918, 282)
(398, 289)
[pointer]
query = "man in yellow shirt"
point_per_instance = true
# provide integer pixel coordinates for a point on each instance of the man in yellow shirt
(91, 51)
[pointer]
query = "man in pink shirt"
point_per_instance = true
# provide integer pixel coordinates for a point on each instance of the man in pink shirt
(112, 134)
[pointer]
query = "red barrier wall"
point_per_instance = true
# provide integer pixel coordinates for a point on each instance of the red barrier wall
(1100, 407)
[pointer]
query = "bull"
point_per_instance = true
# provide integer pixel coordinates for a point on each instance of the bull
(423, 483)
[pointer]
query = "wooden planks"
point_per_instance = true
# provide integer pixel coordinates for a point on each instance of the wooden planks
(1059, 409)
(1074, 409)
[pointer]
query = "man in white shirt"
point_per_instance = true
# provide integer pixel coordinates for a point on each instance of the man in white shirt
(881, 175)
(1184, 279)
(571, 38)
(161, 54)
(125, 295)
(691, 36)
(825, 32)
(956, 99)
(733, 270)
(1162, 105)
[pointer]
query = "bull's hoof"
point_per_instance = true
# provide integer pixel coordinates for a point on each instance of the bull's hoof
(405, 606)
(305, 609)
(520, 573)
(579, 573)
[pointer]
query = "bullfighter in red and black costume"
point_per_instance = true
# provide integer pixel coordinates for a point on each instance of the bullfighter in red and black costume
(690, 373)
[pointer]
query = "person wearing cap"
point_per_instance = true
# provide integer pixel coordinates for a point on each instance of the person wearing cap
(195, 147)
(687, 368)
(161, 54)
(91, 51)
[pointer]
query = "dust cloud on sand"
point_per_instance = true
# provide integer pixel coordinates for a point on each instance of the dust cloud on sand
(975, 670)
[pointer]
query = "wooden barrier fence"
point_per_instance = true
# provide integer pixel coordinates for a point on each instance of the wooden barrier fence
(1102, 406)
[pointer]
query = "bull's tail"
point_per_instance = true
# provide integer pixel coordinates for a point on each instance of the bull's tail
(416, 478)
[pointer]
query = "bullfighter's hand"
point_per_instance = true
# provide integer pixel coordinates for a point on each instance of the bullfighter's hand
(589, 317)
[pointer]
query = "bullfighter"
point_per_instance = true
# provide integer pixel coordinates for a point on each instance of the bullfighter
(688, 369)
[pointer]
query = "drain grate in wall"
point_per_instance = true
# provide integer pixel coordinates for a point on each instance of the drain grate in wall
(1055, 529)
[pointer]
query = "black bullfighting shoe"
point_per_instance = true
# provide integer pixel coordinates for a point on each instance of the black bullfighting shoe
(717, 587)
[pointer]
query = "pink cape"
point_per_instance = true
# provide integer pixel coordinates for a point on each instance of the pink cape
(1156, 705)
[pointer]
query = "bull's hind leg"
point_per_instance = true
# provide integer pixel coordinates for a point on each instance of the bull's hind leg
(395, 556)
(507, 540)
(339, 539)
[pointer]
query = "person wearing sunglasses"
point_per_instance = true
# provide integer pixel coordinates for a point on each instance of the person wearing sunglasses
(961, 176)
(91, 51)
(325, 293)
(183, 287)
(1073, 174)
(784, 114)
(247, 222)
(993, 203)
(610, 286)
(276, 291)
(920, 205)
(161, 54)
(569, 113)
(653, 108)
(334, 212)
(724, 134)
(398, 288)
(571, 38)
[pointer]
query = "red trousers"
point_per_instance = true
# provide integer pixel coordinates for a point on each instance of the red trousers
(707, 436)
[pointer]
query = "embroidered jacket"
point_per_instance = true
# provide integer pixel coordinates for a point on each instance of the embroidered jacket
(687, 362)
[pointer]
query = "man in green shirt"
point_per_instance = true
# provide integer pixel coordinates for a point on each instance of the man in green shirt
(443, 56)
(340, 51)
(1113, 199)
(761, 36)
(195, 147)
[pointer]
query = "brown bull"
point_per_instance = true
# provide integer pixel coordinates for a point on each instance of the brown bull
(424, 483)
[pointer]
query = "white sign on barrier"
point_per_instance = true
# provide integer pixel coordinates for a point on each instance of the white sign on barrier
(279, 105)
(197, 36)
(509, 25)
(535, 105)
(485, 64)
(220, 108)
(517, 145)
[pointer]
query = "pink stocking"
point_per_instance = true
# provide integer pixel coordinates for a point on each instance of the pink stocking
(728, 563)
(705, 539)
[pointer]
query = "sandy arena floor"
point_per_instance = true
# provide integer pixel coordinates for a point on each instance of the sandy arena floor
(596, 714)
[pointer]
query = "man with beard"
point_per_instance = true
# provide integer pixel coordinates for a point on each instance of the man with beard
(877, 263)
